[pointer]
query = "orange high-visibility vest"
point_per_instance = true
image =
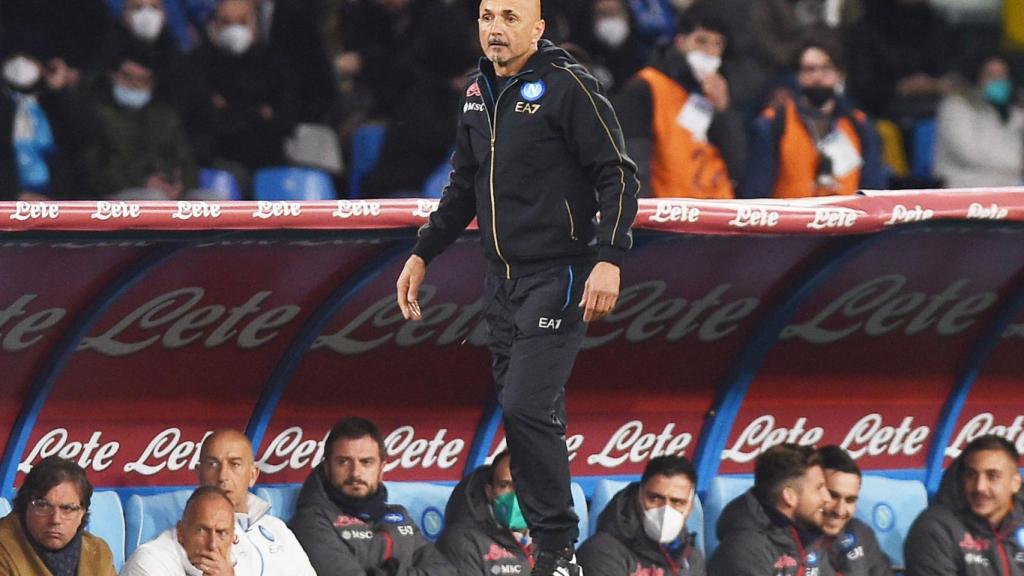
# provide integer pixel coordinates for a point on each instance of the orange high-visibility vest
(681, 165)
(798, 157)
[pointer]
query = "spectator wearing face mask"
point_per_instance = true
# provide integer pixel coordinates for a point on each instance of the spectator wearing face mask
(643, 528)
(677, 119)
(248, 98)
(614, 49)
(143, 27)
(485, 532)
(140, 150)
(814, 143)
(42, 119)
(980, 128)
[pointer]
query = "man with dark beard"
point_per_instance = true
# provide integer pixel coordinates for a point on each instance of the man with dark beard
(343, 519)
(775, 527)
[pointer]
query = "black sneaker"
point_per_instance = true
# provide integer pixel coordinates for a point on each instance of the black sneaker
(556, 563)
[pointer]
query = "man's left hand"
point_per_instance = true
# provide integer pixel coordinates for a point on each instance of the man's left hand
(600, 292)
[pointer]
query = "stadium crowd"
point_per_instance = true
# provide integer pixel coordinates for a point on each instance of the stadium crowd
(717, 98)
(797, 519)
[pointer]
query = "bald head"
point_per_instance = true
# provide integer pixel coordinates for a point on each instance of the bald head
(226, 462)
(509, 31)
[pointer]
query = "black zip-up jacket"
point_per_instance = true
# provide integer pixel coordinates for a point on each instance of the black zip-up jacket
(754, 542)
(621, 548)
(948, 539)
(855, 552)
(473, 540)
(534, 163)
(343, 545)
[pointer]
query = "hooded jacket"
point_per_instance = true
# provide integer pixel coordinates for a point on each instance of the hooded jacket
(949, 539)
(473, 540)
(265, 545)
(343, 545)
(855, 552)
(620, 547)
(756, 543)
(534, 163)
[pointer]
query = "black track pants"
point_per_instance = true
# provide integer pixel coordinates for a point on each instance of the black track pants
(535, 328)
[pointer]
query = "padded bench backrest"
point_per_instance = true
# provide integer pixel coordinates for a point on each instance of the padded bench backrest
(147, 516)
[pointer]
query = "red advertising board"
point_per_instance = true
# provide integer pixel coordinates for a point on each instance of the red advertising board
(868, 359)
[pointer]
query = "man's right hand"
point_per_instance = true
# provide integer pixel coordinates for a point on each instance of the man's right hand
(409, 287)
(214, 563)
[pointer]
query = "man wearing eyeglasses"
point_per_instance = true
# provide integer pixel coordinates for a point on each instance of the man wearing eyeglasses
(45, 533)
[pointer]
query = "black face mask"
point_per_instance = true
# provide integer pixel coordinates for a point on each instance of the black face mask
(818, 95)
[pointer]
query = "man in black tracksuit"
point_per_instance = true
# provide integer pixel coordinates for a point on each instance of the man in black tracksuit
(538, 153)
(774, 529)
(852, 546)
(975, 527)
(343, 520)
(642, 531)
(475, 539)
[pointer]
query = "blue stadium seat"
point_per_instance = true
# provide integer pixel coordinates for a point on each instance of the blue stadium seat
(424, 501)
(147, 516)
(106, 520)
(367, 142)
(723, 489)
(5, 507)
(282, 499)
(890, 506)
(438, 179)
(579, 504)
(923, 153)
(292, 183)
(605, 490)
(219, 184)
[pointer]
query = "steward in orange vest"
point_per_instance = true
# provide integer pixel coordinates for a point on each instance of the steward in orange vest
(813, 143)
(675, 116)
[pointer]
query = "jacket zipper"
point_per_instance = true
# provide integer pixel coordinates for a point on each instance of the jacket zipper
(493, 125)
(572, 225)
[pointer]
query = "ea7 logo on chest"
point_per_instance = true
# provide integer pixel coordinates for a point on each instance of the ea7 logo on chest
(527, 107)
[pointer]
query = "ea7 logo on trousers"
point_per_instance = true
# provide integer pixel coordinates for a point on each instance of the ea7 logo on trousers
(550, 323)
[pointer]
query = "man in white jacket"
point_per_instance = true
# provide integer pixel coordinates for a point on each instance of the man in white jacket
(265, 546)
(200, 545)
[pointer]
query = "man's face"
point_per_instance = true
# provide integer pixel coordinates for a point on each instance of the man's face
(501, 480)
(812, 497)
(134, 75)
(844, 488)
(991, 479)
(817, 70)
(54, 519)
(235, 12)
(674, 491)
(701, 40)
(207, 528)
(355, 466)
(226, 462)
(509, 29)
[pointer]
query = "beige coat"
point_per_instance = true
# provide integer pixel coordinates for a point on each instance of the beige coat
(17, 558)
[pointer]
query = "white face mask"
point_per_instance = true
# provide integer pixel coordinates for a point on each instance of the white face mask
(21, 72)
(663, 525)
(612, 31)
(131, 97)
(235, 38)
(703, 65)
(146, 23)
